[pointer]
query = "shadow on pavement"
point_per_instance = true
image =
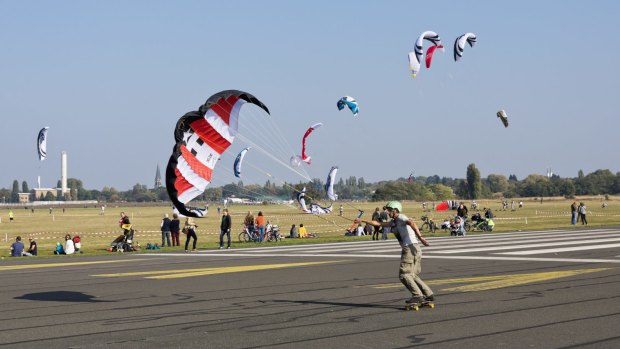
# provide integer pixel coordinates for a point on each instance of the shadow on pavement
(60, 296)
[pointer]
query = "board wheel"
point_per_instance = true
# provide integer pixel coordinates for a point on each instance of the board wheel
(431, 305)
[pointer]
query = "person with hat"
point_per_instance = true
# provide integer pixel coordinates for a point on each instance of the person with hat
(409, 237)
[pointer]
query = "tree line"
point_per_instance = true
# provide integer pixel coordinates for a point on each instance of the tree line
(420, 188)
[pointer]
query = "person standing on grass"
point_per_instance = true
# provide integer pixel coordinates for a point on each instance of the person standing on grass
(165, 230)
(375, 217)
(190, 230)
(10, 216)
(175, 229)
(225, 228)
(260, 223)
(573, 213)
(582, 212)
(408, 236)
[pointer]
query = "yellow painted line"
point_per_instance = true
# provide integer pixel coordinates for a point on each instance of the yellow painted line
(483, 283)
(182, 273)
(522, 279)
(51, 265)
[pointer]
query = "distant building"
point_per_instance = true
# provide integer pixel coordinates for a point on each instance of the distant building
(158, 178)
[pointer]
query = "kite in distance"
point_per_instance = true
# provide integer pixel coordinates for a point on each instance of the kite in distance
(429, 54)
(415, 57)
(459, 44)
(201, 137)
(304, 157)
(349, 102)
(503, 117)
(42, 143)
(238, 161)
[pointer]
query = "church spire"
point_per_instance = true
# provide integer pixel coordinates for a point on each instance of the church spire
(158, 178)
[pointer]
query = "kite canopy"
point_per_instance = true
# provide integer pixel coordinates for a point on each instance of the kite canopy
(304, 157)
(329, 184)
(349, 102)
(238, 161)
(314, 208)
(201, 137)
(459, 44)
(429, 54)
(42, 143)
(503, 117)
(415, 57)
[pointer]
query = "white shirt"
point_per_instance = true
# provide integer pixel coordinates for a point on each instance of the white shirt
(69, 247)
(400, 225)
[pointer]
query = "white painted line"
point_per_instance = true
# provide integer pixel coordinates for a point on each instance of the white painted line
(526, 259)
(391, 256)
(566, 249)
(531, 245)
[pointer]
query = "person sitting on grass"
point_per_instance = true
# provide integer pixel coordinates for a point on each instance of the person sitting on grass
(17, 248)
(59, 249)
(32, 249)
(69, 245)
(303, 233)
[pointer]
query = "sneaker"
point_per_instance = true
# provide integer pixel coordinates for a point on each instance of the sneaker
(186, 251)
(429, 298)
(228, 248)
(194, 250)
(221, 247)
(414, 299)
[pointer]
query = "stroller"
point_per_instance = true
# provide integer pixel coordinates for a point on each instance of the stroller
(457, 227)
(123, 243)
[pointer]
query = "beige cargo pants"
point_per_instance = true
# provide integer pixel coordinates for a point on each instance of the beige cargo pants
(410, 268)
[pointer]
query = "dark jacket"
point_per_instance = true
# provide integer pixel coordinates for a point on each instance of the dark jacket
(165, 224)
(175, 225)
(226, 223)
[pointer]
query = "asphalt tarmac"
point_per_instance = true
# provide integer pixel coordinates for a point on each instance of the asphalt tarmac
(556, 289)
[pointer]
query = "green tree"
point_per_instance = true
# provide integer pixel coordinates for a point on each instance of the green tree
(15, 191)
(497, 183)
(474, 187)
(25, 188)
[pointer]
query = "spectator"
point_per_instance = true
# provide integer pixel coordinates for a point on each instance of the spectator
(69, 245)
(383, 217)
(260, 223)
(190, 230)
(303, 233)
(582, 212)
(10, 216)
(175, 229)
(573, 213)
(341, 210)
(359, 230)
(59, 249)
(369, 230)
(294, 232)
(32, 249)
(165, 230)
(17, 248)
(446, 224)
(375, 217)
(520, 204)
(488, 213)
(225, 226)
(249, 222)
(77, 242)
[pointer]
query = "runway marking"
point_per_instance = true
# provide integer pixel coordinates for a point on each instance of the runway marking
(533, 245)
(183, 273)
(483, 283)
(565, 249)
(51, 265)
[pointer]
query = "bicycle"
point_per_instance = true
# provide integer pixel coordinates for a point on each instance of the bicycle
(428, 225)
(247, 236)
(274, 234)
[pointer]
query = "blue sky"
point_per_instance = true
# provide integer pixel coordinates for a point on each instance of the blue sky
(111, 78)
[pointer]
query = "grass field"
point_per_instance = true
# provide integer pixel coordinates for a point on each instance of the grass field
(97, 231)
